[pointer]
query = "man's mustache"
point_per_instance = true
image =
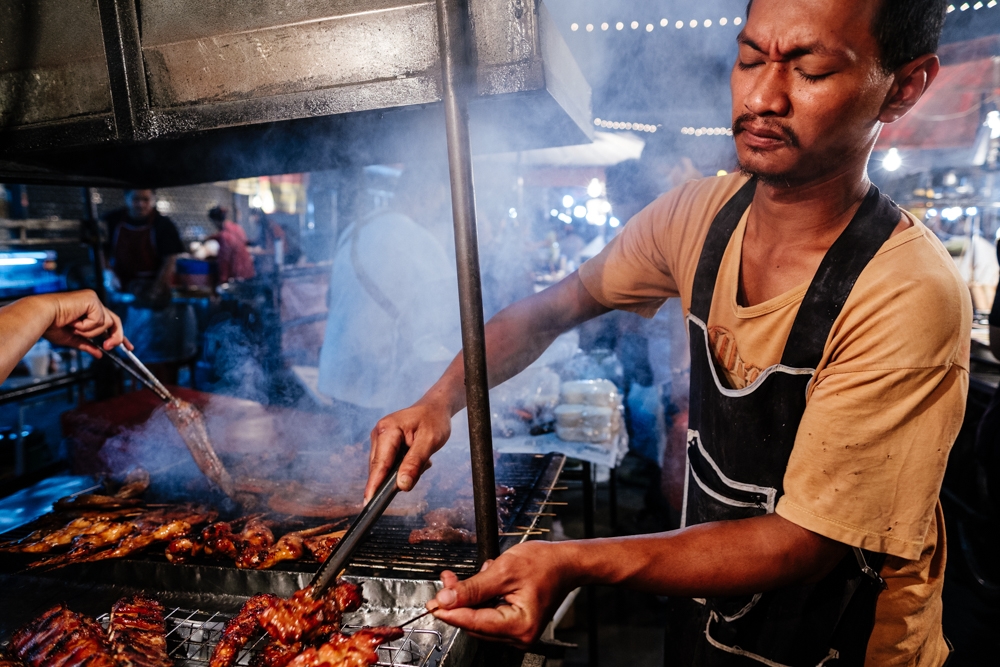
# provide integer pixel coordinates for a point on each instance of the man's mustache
(787, 133)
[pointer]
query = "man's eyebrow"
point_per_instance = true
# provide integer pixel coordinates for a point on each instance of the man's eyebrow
(816, 48)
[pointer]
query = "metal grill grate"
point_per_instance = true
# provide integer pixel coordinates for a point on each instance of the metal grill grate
(193, 634)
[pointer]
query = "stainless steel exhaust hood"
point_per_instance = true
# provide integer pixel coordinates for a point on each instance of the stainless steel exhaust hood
(167, 92)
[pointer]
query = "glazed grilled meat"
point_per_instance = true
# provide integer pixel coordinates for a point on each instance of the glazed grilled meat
(357, 650)
(117, 539)
(138, 633)
(322, 546)
(62, 638)
(442, 534)
(275, 654)
(240, 629)
(299, 617)
(254, 542)
(291, 546)
(457, 524)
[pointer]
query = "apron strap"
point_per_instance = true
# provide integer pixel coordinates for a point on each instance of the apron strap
(835, 278)
(719, 233)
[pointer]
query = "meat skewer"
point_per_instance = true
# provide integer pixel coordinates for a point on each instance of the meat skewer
(138, 633)
(127, 537)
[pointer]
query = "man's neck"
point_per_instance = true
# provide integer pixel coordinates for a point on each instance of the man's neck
(816, 209)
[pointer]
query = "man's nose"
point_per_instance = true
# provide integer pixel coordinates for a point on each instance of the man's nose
(769, 94)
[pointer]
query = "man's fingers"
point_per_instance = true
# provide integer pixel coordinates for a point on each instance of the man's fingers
(410, 469)
(494, 622)
(95, 352)
(386, 441)
(472, 592)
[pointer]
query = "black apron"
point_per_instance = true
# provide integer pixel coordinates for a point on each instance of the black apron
(739, 442)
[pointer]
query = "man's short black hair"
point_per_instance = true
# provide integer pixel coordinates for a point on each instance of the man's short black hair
(905, 30)
(218, 214)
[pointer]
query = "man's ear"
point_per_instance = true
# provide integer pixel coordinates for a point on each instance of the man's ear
(910, 83)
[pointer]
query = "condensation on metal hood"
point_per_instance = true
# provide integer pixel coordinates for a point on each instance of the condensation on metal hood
(166, 92)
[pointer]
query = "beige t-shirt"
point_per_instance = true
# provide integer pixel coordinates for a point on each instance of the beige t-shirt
(882, 412)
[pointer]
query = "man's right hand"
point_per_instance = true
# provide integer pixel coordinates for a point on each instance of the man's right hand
(515, 337)
(424, 427)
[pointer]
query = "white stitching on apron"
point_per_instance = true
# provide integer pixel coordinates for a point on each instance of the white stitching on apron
(735, 650)
(750, 388)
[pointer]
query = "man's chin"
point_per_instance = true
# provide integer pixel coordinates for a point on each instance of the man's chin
(773, 174)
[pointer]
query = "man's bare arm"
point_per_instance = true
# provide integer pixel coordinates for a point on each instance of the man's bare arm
(714, 559)
(515, 337)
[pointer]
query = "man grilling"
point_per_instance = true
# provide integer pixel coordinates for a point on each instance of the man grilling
(829, 347)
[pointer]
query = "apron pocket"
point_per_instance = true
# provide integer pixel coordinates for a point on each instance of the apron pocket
(719, 498)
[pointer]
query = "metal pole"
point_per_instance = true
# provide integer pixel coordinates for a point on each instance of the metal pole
(93, 231)
(457, 85)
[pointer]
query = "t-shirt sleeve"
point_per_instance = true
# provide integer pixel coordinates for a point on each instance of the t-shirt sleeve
(656, 255)
(872, 447)
(168, 239)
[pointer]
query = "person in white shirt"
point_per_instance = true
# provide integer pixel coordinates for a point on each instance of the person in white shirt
(393, 324)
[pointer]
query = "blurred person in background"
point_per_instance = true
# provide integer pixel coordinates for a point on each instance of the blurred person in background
(233, 258)
(68, 319)
(631, 186)
(142, 251)
(393, 322)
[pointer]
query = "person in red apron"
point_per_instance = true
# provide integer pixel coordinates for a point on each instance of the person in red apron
(142, 251)
(829, 335)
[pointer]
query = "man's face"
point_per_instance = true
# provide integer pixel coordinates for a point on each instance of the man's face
(140, 203)
(807, 88)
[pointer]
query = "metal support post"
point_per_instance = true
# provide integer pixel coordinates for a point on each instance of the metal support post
(589, 506)
(457, 84)
(92, 234)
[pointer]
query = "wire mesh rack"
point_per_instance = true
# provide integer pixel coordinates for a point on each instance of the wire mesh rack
(193, 634)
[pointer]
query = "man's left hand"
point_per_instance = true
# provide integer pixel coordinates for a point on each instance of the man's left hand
(533, 580)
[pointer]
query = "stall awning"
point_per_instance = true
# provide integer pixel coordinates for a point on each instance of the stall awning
(950, 115)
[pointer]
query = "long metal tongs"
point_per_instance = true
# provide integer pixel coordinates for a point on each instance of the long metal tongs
(360, 527)
(138, 370)
(202, 452)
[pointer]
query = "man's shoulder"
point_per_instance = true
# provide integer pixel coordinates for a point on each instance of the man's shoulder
(701, 198)
(916, 257)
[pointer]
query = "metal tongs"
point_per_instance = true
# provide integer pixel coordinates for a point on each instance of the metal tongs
(139, 371)
(203, 453)
(358, 531)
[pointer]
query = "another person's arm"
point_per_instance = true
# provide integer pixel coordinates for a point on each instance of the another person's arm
(69, 319)
(515, 337)
(714, 559)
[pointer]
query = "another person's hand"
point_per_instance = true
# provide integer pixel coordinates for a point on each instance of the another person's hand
(533, 578)
(79, 316)
(424, 427)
